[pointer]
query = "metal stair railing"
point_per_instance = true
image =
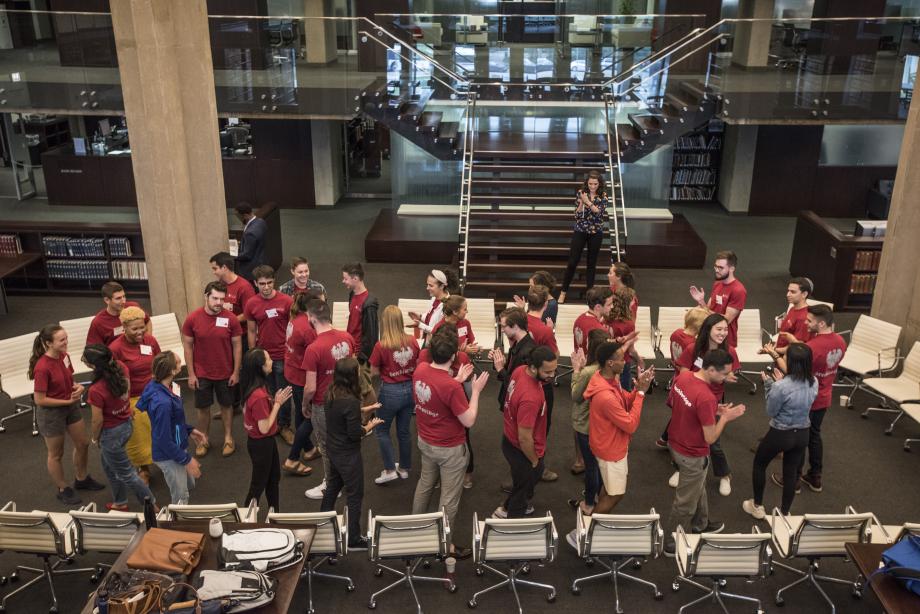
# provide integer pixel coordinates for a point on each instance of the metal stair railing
(466, 189)
(616, 183)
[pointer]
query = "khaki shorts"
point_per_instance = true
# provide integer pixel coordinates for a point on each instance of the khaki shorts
(53, 421)
(613, 474)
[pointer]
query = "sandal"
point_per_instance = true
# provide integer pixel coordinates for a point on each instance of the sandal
(229, 448)
(201, 449)
(298, 469)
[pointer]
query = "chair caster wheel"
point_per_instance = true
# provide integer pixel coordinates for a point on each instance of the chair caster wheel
(350, 588)
(551, 598)
(53, 610)
(479, 571)
(658, 596)
(637, 565)
(864, 416)
(780, 602)
(857, 594)
(888, 433)
(525, 569)
(371, 605)
(907, 448)
(93, 579)
(471, 604)
(426, 564)
(589, 563)
(675, 587)
(378, 572)
(575, 590)
(3, 580)
(14, 577)
(451, 588)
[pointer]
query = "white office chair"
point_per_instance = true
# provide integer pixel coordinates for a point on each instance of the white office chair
(719, 556)
(14, 379)
(47, 535)
(516, 542)
(330, 541)
(77, 330)
(565, 337)
(750, 340)
(229, 512)
(872, 351)
(340, 315)
(779, 318)
(167, 333)
(109, 532)
(901, 389)
(615, 541)
(481, 314)
(814, 537)
(411, 538)
(890, 533)
(912, 411)
(416, 305)
(669, 320)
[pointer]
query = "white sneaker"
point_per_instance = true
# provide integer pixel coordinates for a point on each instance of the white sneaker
(572, 538)
(757, 511)
(316, 492)
(500, 512)
(674, 479)
(386, 476)
(725, 486)
(402, 472)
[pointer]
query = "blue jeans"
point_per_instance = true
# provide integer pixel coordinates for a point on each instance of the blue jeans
(178, 480)
(396, 402)
(592, 472)
(276, 382)
(118, 468)
(303, 427)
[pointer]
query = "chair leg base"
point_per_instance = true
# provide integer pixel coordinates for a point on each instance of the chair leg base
(408, 577)
(614, 574)
(814, 578)
(20, 410)
(715, 594)
(512, 581)
(47, 572)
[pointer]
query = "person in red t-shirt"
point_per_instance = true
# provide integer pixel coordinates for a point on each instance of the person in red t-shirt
(239, 290)
(600, 301)
(394, 359)
(524, 431)
(693, 429)
(614, 417)
(621, 276)
(727, 296)
(362, 311)
(622, 323)
(211, 340)
(106, 326)
(267, 316)
(441, 413)
(794, 325)
(828, 349)
(542, 332)
(300, 334)
(57, 411)
(112, 425)
(319, 361)
(136, 349)
(260, 420)
(454, 309)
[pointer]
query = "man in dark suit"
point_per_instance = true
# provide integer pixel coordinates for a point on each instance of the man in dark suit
(252, 245)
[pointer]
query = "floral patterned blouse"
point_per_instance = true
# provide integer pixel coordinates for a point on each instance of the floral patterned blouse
(586, 220)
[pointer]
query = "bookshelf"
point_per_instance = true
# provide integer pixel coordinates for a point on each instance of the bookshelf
(695, 165)
(75, 258)
(843, 267)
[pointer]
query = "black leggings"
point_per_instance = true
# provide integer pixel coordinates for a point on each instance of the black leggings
(792, 444)
(579, 240)
(266, 471)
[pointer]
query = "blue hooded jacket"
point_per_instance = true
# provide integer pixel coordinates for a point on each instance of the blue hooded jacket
(167, 419)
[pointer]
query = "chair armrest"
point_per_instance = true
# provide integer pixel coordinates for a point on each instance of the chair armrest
(682, 537)
(881, 527)
(656, 333)
(848, 333)
(89, 507)
(252, 512)
(776, 514)
(9, 507)
(164, 513)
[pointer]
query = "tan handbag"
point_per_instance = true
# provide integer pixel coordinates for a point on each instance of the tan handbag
(143, 598)
(168, 551)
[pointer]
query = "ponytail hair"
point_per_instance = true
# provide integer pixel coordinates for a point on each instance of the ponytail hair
(252, 376)
(42, 340)
(105, 368)
(163, 365)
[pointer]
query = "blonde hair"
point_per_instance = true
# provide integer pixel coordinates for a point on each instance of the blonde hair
(694, 318)
(392, 328)
(129, 314)
(622, 299)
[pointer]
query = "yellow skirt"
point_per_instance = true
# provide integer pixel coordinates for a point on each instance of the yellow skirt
(139, 447)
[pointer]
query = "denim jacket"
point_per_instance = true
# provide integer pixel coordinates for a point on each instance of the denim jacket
(789, 402)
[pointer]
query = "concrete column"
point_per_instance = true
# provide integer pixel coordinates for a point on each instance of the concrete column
(320, 33)
(897, 293)
(164, 58)
(752, 38)
(739, 144)
(328, 182)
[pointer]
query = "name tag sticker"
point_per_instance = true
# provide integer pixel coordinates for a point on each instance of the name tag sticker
(718, 299)
(271, 313)
(146, 350)
(461, 332)
(175, 389)
(228, 306)
(118, 330)
(222, 322)
(698, 363)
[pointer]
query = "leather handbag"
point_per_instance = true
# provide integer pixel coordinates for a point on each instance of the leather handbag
(168, 551)
(143, 598)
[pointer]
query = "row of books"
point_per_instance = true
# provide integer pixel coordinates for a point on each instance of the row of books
(77, 269)
(867, 260)
(697, 159)
(697, 142)
(129, 269)
(120, 247)
(10, 245)
(62, 247)
(687, 193)
(695, 176)
(863, 283)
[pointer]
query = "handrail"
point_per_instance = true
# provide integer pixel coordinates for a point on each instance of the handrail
(411, 61)
(637, 49)
(466, 189)
(677, 61)
(666, 50)
(616, 222)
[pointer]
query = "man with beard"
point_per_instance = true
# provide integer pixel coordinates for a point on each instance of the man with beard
(727, 296)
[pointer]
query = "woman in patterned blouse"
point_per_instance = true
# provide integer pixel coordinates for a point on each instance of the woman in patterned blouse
(590, 222)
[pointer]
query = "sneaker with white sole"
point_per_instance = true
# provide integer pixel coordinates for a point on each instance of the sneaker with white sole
(757, 511)
(386, 476)
(316, 492)
(725, 486)
(402, 473)
(572, 538)
(500, 512)
(674, 479)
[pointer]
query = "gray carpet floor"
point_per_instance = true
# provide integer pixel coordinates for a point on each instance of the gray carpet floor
(864, 468)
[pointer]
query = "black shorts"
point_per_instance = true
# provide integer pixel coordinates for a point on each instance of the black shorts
(210, 388)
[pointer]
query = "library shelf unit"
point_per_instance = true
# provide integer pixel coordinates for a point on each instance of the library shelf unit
(77, 258)
(843, 267)
(695, 165)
